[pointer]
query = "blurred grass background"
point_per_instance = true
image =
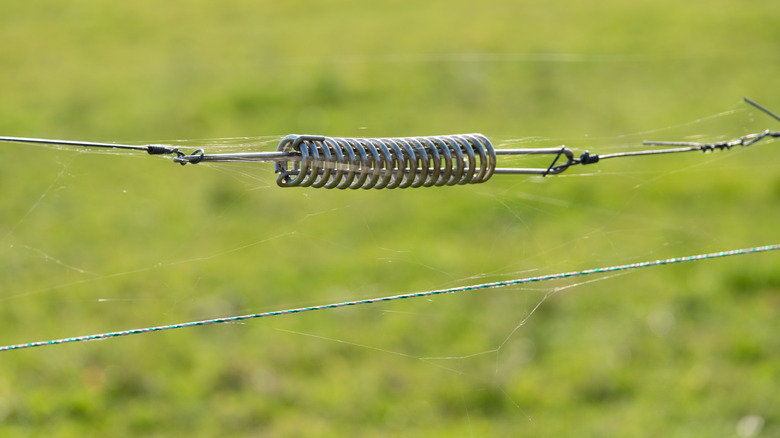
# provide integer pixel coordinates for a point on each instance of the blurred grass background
(95, 242)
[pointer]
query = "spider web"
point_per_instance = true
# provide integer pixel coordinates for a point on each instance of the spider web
(177, 244)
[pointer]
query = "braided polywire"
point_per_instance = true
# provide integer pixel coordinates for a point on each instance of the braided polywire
(376, 163)
(475, 287)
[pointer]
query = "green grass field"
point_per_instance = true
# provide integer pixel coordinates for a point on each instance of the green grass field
(96, 241)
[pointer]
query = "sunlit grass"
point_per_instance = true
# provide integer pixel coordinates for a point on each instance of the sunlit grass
(96, 242)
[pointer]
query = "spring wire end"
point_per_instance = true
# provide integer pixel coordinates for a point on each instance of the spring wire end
(194, 158)
(560, 168)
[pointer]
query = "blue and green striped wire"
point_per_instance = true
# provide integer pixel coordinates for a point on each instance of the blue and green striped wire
(476, 287)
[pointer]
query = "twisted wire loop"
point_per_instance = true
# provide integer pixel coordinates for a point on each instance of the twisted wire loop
(377, 163)
(745, 140)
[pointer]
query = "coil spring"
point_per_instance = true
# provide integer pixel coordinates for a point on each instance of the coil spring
(385, 162)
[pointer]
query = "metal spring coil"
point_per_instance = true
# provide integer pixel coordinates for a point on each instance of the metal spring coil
(377, 163)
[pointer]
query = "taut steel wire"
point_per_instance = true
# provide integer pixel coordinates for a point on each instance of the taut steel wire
(334, 162)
